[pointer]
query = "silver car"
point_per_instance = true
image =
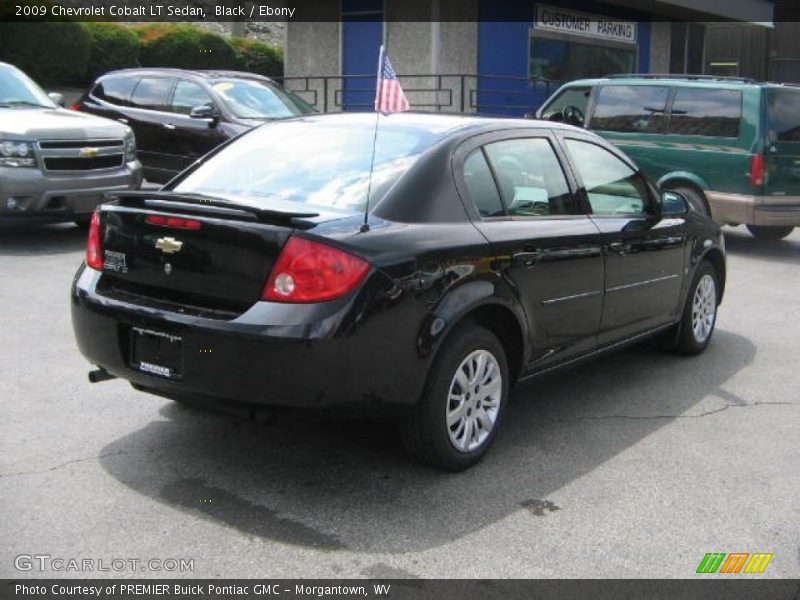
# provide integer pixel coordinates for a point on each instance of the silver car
(55, 164)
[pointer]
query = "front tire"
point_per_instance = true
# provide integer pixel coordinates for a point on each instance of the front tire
(463, 401)
(700, 313)
(767, 232)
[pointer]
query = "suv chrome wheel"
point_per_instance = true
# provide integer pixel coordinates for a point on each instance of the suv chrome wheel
(473, 401)
(704, 308)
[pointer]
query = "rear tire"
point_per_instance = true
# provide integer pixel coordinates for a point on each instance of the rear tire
(695, 198)
(767, 232)
(462, 403)
(700, 313)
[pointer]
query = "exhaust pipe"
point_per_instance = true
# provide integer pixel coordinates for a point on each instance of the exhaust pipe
(99, 375)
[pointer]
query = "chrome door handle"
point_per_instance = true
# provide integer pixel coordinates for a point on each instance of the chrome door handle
(121, 120)
(527, 258)
(169, 126)
(619, 247)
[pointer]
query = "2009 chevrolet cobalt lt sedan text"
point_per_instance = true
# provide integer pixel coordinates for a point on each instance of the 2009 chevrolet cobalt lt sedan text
(489, 251)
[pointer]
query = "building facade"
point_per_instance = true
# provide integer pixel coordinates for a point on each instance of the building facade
(494, 56)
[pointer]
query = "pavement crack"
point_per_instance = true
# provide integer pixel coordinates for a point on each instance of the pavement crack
(655, 417)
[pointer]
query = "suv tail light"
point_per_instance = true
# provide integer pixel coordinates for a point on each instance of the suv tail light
(94, 249)
(75, 106)
(757, 170)
(309, 271)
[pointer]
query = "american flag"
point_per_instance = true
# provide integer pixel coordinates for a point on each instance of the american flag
(389, 96)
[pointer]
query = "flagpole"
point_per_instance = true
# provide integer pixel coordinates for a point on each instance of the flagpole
(365, 226)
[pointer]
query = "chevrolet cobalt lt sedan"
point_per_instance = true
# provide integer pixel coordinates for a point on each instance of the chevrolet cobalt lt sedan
(290, 267)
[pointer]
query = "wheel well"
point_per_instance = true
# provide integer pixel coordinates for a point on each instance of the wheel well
(502, 322)
(673, 184)
(714, 256)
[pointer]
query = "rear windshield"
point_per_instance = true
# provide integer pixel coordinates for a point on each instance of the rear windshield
(783, 108)
(310, 163)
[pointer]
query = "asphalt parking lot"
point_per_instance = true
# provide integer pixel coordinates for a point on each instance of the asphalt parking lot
(635, 465)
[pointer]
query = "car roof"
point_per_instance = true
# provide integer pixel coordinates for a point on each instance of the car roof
(703, 81)
(201, 74)
(444, 124)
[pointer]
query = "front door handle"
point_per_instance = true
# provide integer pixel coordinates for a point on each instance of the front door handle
(169, 126)
(619, 247)
(528, 258)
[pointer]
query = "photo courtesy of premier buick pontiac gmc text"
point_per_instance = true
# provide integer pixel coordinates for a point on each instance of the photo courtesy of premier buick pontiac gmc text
(283, 270)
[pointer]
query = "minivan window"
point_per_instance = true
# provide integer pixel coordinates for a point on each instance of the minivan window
(530, 177)
(188, 95)
(783, 107)
(115, 90)
(573, 96)
(629, 108)
(481, 186)
(151, 92)
(703, 111)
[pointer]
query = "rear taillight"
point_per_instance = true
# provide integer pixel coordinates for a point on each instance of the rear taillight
(308, 271)
(75, 106)
(176, 222)
(94, 250)
(757, 170)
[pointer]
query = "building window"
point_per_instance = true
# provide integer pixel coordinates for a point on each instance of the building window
(565, 60)
(686, 49)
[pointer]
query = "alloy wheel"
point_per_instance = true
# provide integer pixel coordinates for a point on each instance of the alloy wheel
(473, 401)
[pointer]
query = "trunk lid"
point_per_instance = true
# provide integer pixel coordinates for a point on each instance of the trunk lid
(211, 259)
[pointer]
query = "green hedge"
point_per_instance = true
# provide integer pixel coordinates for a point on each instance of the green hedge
(113, 47)
(71, 53)
(184, 46)
(52, 53)
(258, 57)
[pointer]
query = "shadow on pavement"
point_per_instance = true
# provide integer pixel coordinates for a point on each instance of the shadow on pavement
(335, 484)
(36, 240)
(738, 242)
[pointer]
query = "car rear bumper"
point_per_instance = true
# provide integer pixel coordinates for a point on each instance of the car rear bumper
(272, 355)
(743, 209)
(30, 194)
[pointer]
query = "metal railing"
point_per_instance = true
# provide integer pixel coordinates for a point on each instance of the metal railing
(482, 94)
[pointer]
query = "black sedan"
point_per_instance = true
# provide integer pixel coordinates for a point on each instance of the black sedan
(179, 115)
(475, 254)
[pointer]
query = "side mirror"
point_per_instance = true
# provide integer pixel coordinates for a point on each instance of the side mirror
(673, 204)
(206, 112)
(57, 98)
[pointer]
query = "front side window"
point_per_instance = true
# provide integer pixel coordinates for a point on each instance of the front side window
(317, 164)
(530, 178)
(613, 188)
(481, 186)
(151, 92)
(577, 97)
(188, 95)
(115, 90)
(699, 111)
(630, 108)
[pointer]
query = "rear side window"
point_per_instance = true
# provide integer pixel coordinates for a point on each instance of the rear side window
(115, 90)
(783, 107)
(697, 111)
(151, 92)
(530, 178)
(481, 187)
(612, 186)
(630, 109)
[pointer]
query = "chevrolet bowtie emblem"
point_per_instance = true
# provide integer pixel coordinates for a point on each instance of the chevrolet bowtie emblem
(87, 152)
(168, 245)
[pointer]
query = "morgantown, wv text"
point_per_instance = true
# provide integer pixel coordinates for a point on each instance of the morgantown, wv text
(201, 590)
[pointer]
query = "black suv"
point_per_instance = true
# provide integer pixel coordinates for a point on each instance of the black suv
(178, 115)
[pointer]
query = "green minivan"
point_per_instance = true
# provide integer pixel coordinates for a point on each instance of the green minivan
(731, 146)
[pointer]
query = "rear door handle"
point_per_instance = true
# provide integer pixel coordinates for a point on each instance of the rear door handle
(169, 126)
(619, 247)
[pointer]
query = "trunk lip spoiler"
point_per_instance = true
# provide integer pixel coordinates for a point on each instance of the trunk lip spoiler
(205, 204)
